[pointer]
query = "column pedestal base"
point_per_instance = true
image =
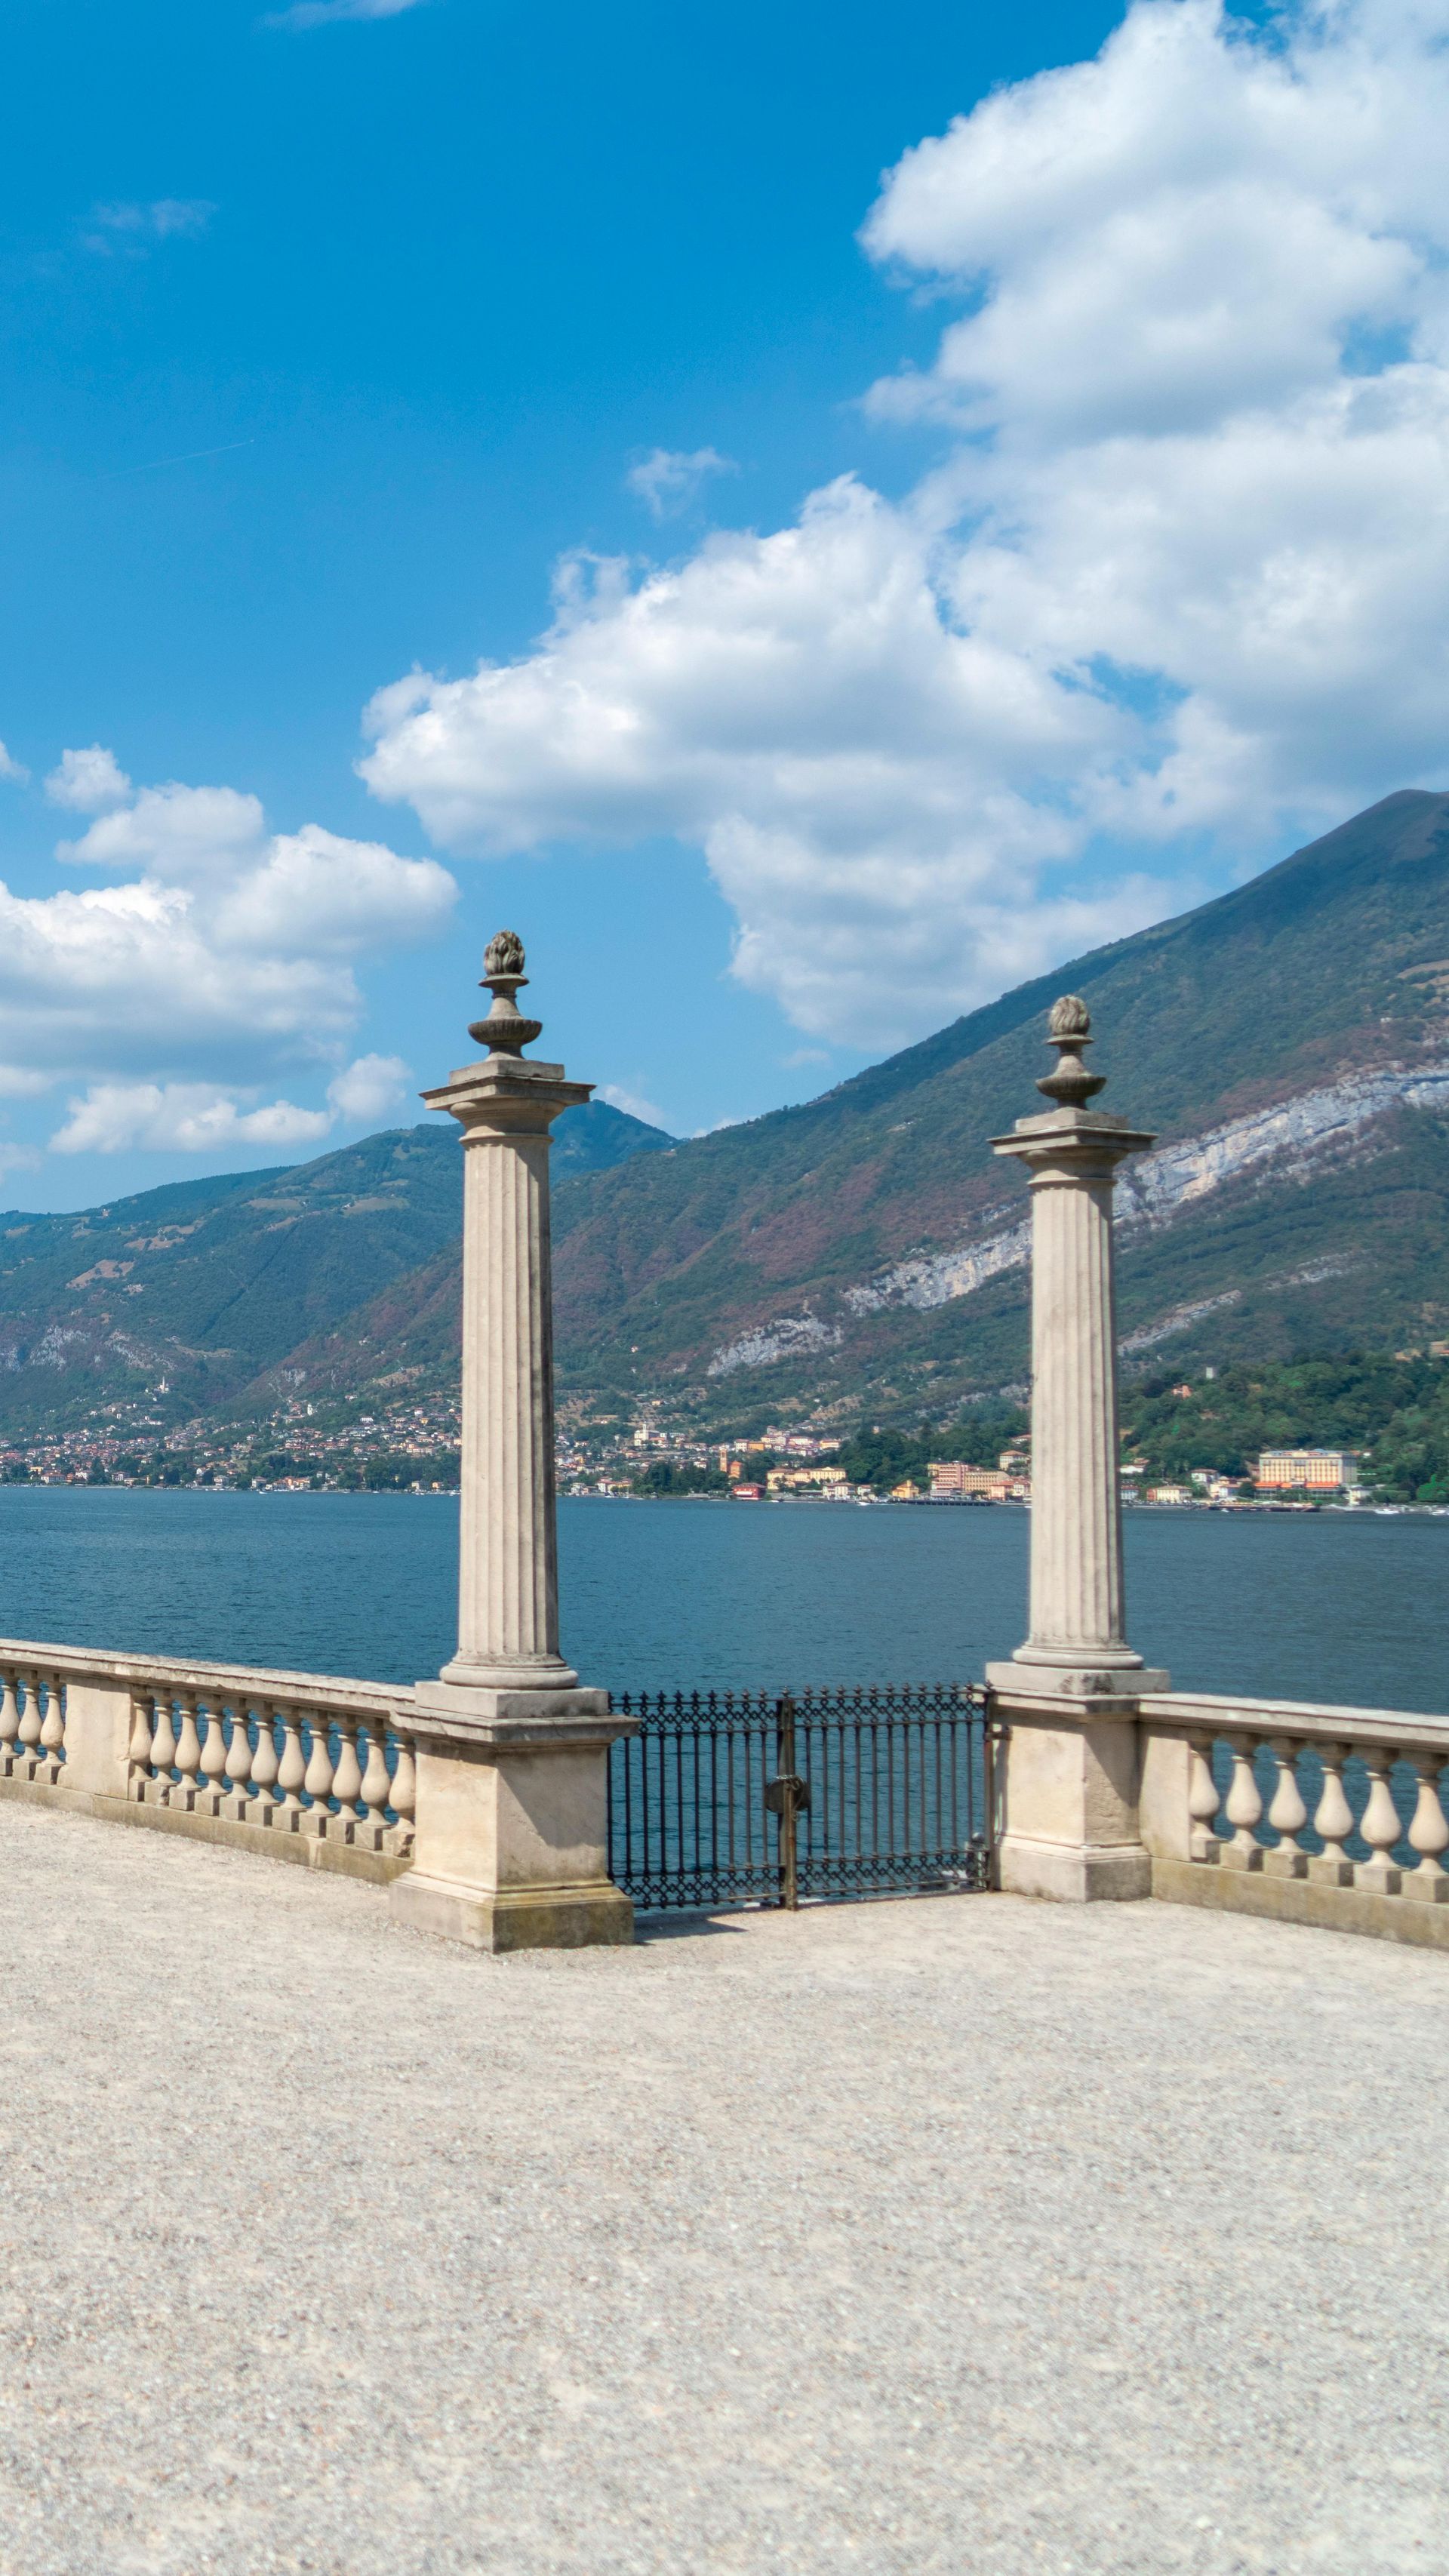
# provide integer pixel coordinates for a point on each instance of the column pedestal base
(1069, 1773)
(511, 1844)
(520, 1918)
(1074, 1873)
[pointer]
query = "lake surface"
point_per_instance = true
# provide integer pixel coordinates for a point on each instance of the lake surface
(1334, 1606)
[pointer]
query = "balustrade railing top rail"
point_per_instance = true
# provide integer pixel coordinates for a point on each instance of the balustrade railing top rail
(320, 1690)
(1308, 1719)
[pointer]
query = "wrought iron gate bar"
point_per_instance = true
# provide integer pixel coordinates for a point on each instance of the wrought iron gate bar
(764, 1797)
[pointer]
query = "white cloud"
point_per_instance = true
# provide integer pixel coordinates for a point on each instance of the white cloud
(220, 952)
(1178, 590)
(133, 227)
(368, 1089)
(327, 13)
(858, 769)
(667, 479)
(633, 1103)
(210, 1118)
(88, 781)
(13, 770)
(180, 1118)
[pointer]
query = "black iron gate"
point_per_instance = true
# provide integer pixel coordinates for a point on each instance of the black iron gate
(764, 1797)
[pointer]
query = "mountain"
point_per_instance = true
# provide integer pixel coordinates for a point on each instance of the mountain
(210, 1285)
(1289, 1043)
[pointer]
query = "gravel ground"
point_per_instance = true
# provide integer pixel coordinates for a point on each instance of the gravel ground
(962, 2235)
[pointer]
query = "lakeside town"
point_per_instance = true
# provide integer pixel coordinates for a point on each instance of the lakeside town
(414, 1448)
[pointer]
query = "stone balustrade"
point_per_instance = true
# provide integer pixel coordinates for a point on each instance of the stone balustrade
(303, 1765)
(1315, 1813)
(32, 1722)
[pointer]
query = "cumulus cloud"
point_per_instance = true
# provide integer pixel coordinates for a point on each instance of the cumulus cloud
(858, 768)
(667, 480)
(635, 1104)
(88, 781)
(216, 953)
(14, 770)
(208, 1118)
(180, 1118)
(368, 1089)
(1176, 589)
(327, 13)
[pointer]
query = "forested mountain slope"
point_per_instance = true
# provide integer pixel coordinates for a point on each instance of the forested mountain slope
(1289, 1043)
(208, 1285)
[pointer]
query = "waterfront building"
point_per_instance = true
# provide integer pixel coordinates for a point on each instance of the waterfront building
(952, 1476)
(1310, 1470)
(806, 1480)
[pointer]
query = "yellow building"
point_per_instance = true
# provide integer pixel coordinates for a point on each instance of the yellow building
(1307, 1470)
(953, 1476)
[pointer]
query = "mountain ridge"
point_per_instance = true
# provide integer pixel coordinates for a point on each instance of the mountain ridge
(1288, 1041)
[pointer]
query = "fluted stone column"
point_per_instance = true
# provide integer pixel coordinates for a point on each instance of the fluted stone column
(510, 1849)
(1069, 1693)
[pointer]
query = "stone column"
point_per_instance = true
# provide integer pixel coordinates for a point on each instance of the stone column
(1069, 1693)
(510, 1848)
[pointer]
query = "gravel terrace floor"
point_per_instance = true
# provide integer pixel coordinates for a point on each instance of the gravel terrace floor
(964, 2234)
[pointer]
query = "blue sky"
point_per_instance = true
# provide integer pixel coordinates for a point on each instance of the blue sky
(425, 301)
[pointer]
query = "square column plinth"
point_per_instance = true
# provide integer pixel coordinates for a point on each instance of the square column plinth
(511, 1849)
(1069, 1775)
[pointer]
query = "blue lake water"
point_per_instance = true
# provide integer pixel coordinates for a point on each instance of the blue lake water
(1335, 1606)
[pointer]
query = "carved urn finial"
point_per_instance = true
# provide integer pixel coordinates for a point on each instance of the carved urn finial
(505, 1031)
(1069, 1030)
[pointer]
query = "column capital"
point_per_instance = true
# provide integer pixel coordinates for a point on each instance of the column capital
(507, 1096)
(1090, 1141)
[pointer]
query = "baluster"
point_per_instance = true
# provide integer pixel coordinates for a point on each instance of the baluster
(376, 1786)
(1428, 1832)
(30, 1726)
(404, 1791)
(264, 1768)
(188, 1752)
(1380, 1824)
(1287, 1814)
(139, 1749)
(317, 1778)
(163, 1748)
(1243, 1810)
(1203, 1800)
(291, 1770)
(347, 1778)
(52, 1731)
(239, 1759)
(1332, 1819)
(9, 1724)
(213, 1760)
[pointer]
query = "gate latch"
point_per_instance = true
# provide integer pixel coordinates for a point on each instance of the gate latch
(787, 1794)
